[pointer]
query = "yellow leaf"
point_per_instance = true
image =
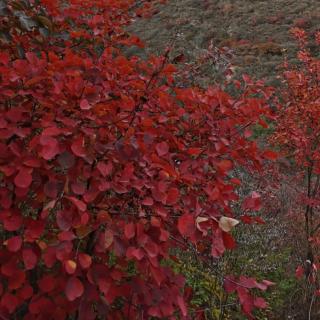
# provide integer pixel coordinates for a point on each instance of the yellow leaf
(226, 224)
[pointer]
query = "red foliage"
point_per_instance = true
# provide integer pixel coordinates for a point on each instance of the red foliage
(106, 165)
(297, 134)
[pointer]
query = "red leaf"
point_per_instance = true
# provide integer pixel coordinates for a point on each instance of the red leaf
(30, 259)
(247, 133)
(155, 312)
(263, 123)
(235, 181)
(84, 104)
(158, 195)
(218, 247)
(9, 302)
(34, 229)
(49, 257)
(194, 151)
(182, 306)
(228, 241)
(230, 284)
(24, 178)
(17, 280)
(134, 252)
(33, 163)
(63, 250)
(78, 188)
(157, 274)
(268, 283)
(78, 203)
(116, 274)
(246, 300)
(147, 201)
(74, 289)
(299, 272)
(66, 236)
(78, 148)
(252, 202)
(151, 248)
(85, 260)
(259, 220)
(105, 169)
(186, 225)
(64, 219)
(47, 283)
(51, 189)
(119, 188)
(50, 147)
(4, 58)
(162, 148)
(213, 193)
(51, 131)
(14, 244)
(225, 165)
(12, 223)
(70, 266)
(260, 303)
(129, 230)
(246, 219)
(248, 282)
(270, 155)
(25, 292)
(172, 196)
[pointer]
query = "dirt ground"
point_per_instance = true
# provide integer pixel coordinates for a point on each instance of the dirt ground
(256, 30)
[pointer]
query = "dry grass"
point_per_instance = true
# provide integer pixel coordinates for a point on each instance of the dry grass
(257, 30)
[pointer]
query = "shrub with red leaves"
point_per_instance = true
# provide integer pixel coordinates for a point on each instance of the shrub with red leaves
(106, 165)
(297, 134)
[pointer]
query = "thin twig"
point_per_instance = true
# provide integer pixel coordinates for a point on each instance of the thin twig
(310, 307)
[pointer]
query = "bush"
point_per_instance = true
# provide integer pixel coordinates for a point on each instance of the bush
(106, 166)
